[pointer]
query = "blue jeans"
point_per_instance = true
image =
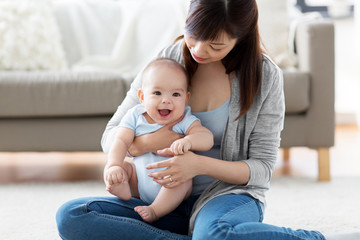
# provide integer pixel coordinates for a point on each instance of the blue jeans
(225, 217)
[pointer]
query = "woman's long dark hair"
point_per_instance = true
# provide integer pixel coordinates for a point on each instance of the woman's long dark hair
(239, 19)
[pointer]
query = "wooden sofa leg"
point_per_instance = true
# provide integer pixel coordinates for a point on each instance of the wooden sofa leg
(286, 155)
(324, 164)
(286, 170)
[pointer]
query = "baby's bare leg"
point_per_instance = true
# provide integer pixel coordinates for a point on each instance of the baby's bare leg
(165, 202)
(127, 188)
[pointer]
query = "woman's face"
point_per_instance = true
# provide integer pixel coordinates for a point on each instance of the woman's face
(209, 51)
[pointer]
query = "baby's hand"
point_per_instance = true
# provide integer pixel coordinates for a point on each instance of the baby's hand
(115, 175)
(180, 146)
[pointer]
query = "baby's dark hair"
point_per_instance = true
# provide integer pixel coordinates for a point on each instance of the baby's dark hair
(170, 62)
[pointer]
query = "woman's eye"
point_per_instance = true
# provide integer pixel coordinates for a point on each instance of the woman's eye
(157, 93)
(176, 94)
(215, 49)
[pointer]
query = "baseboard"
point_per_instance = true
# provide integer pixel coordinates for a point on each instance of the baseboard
(342, 118)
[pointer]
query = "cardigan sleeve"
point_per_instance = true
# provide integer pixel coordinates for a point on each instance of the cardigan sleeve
(131, 99)
(264, 139)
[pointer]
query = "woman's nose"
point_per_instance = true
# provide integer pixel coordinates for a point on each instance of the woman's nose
(199, 48)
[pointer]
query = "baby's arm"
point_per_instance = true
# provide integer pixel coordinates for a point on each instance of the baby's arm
(112, 173)
(198, 138)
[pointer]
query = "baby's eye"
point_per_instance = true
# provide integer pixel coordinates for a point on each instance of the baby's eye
(157, 93)
(176, 94)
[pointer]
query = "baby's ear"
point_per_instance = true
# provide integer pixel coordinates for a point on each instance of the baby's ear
(141, 95)
(188, 95)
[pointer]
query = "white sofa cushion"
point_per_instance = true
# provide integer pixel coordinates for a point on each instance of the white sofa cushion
(274, 31)
(29, 36)
(88, 27)
(121, 35)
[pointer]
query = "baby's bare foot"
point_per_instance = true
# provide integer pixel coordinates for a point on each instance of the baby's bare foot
(147, 213)
(121, 190)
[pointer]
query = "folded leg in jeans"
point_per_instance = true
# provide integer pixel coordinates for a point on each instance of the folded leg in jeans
(112, 218)
(240, 217)
(225, 217)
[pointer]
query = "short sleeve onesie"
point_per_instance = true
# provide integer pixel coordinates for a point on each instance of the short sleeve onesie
(135, 120)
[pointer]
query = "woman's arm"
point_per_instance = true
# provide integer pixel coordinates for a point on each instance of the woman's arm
(184, 167)
(237, 172)
(264, 139)
(152, 142)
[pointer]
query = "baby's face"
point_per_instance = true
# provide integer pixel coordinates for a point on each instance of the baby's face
(164, 94)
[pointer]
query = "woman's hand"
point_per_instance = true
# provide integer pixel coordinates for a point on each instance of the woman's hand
(180, 168)
(152, 142)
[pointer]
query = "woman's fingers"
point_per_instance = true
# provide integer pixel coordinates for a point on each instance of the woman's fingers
(161, 164)
(179, 167)
(167, 177)
(167, 183)
(166, 152)
(160, 174)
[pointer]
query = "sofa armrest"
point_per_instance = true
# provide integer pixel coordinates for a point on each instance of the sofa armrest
(315, 49)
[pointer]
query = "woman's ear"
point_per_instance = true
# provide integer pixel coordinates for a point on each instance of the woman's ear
(141, 95)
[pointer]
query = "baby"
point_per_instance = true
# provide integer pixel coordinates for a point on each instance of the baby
(164, 96)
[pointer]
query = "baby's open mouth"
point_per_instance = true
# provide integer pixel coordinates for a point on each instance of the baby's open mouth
(164, 112)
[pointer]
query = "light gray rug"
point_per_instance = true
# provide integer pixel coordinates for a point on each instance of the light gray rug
(308, 204)
(27, 211)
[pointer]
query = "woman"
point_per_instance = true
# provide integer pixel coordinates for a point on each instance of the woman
(237, 93)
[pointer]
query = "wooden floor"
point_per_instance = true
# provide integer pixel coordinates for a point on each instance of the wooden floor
(344, 157)
(51, 166)
(78, 166)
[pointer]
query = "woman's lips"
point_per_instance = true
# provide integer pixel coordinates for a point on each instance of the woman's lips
(198, 58)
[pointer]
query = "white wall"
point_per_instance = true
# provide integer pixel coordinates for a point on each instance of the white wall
(347, 69)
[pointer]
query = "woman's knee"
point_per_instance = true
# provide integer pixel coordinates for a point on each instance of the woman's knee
(226, 216)
(213, 230)
(204, 231)
(68, 215)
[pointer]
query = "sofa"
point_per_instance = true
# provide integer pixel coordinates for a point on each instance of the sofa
(67, 109)
(61, 99)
